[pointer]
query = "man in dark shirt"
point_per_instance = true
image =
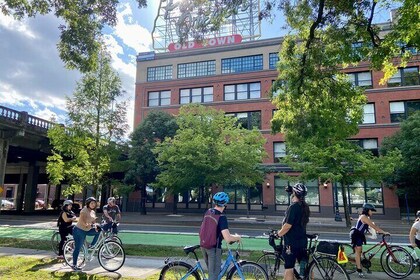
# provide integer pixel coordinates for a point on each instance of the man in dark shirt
(294, 230)
(112, 213)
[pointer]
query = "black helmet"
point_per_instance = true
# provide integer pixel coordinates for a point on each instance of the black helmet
(300, 190)
(89, 200)
(369, 206)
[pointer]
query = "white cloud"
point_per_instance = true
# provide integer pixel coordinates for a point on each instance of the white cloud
(12, 24)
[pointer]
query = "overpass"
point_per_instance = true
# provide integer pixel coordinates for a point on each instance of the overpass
(24, 148)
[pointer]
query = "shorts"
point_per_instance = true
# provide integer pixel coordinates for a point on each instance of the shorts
(358, 242)
(296, 253)
(417, 242)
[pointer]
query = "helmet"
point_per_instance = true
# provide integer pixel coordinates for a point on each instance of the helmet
(111, 199)
(67, 202)
(369, 206)
(300, 190)
(221, 199)
(418, 214)
(89, 200)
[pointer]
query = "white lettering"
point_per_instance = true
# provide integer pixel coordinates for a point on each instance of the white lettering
(177, 46)
(221, 40)
(191, 45)
(231, 39)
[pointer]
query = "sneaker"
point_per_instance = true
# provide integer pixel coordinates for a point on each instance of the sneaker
(361, 275)
(61, 257)
(76, 268)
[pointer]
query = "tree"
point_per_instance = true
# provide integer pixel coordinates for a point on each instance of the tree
(318, 108)
(209, 149)
(143, 170)
(407, 176)
(81, 150)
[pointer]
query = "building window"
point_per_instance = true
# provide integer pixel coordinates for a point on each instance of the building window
(159, 73)
(369, 113)
(242, 64)
(197, 69)
(405, 77)
(279, 149)
(368, 144)
(402, 110)
(361, 79)
(359, 193)
(242, 91)
(272, 60)
(196, 95)
(282, 197)
(159, 98)
(248, 120)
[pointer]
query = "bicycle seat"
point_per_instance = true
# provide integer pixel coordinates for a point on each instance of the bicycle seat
(190, 249)
(312, 236)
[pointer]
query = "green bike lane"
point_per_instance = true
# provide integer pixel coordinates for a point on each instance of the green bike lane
(133, 237)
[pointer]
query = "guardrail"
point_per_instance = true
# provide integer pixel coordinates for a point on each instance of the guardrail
(24, 120)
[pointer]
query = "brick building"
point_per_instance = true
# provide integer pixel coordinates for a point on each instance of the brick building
(236, 78)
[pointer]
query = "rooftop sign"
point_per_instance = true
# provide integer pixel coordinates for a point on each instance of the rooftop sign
(211, 42)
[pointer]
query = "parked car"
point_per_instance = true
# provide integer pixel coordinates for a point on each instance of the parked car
(5, 204)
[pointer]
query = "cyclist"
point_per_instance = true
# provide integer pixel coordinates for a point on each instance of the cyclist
(65, 224)
(415, 232)
(294, 230)
(85, 226)
(357, 233)
(213, 256)
(111, 214)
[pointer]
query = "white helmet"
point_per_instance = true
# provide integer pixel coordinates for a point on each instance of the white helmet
(67, 202)
(111, 199)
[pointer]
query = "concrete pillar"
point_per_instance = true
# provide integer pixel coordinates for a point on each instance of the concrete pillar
(4, 149)
(31, 187)
(20, 192)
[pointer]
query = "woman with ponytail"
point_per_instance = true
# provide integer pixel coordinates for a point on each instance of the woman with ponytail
(294, 230)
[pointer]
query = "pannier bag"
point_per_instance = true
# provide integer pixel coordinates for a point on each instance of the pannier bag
(328, 248)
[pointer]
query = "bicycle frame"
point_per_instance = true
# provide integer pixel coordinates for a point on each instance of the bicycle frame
(381, 244)
(229, 260)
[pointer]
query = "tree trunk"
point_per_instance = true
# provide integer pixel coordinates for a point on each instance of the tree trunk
(175, 204)
(345, 204)
(143, 198)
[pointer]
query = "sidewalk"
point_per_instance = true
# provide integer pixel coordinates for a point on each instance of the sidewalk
(135, 267)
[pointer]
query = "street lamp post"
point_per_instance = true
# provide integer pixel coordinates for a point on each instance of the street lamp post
(337, 217)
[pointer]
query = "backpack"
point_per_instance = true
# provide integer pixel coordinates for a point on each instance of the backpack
(60, 219)
(208, 229)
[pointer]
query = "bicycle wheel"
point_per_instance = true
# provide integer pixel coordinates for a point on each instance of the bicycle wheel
(111, 256)
(114, 238)
(268, 262)
(177, 270)
(350, 266)
(398, 263)
(68, 254)
(250, 270)
(325, 268)
(55, 242)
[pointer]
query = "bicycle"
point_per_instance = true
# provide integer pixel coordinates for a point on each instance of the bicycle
(111, 235)
(318, 266)
(111, 254)
(395, 261)
(232, 267)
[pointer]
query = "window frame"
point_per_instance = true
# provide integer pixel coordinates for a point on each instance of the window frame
(166, 74)
(397, 117)
(193, 69)
(273, 58)
(248, 118)
(277, 159)
(159, 98)
(402, 76)
(235, 91)
(356, 81)
(190, 95)
(241, 64)
(369, 114)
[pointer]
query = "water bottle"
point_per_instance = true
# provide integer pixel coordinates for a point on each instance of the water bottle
(302, 268)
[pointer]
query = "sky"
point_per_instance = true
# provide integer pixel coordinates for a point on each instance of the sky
(34, 79)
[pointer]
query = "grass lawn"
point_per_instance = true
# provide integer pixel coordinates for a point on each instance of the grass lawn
(17, 268)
